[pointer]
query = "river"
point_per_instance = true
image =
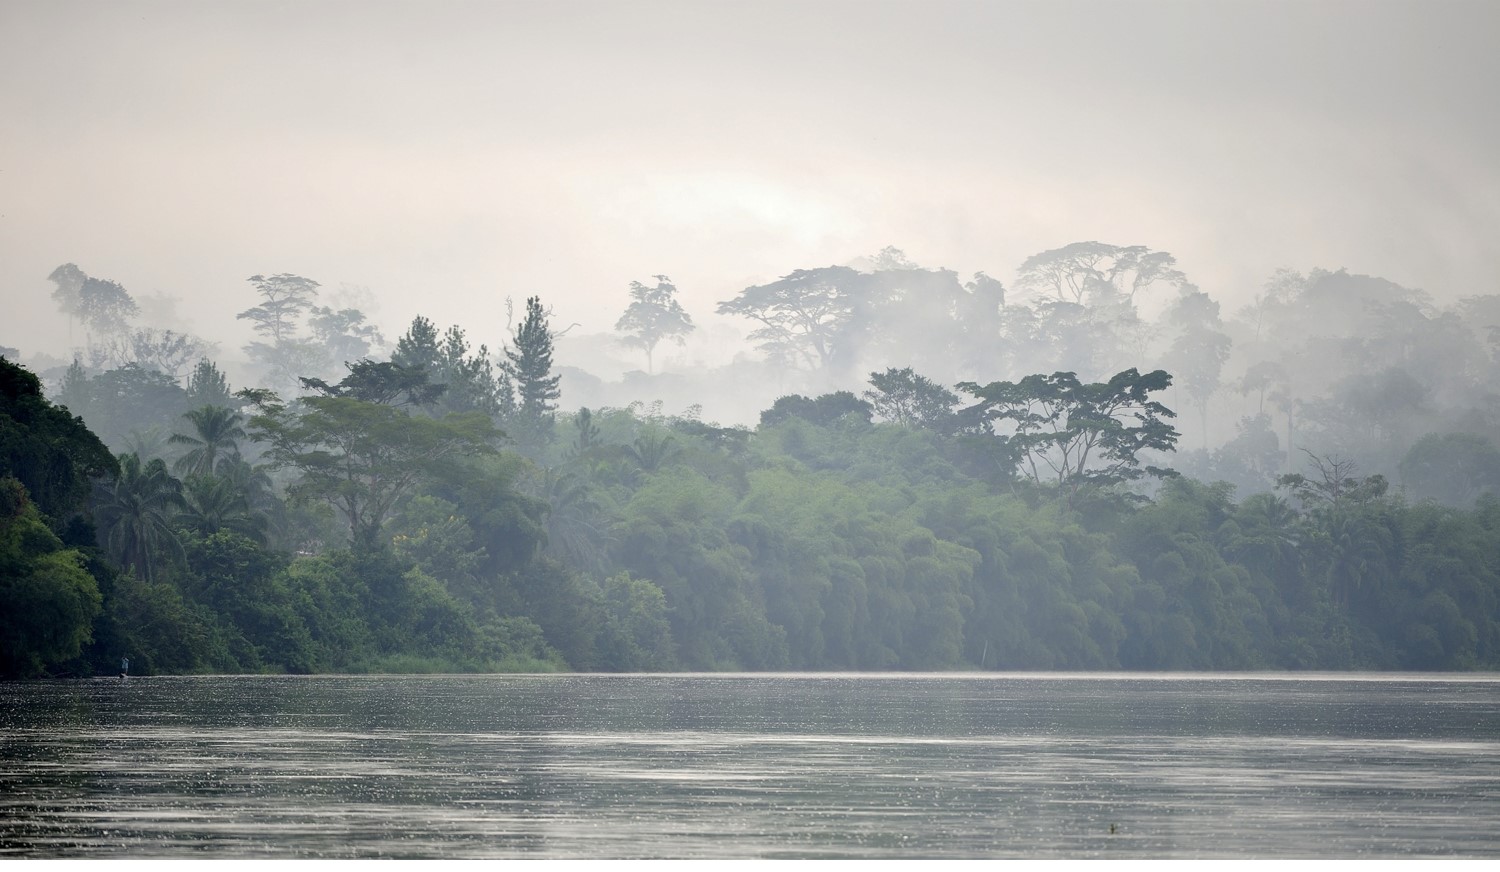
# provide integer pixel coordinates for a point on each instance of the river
(752, 766)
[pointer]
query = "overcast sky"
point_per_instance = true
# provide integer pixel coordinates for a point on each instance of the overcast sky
(446, 155)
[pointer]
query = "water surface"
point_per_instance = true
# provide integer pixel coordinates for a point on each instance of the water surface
(768, 766)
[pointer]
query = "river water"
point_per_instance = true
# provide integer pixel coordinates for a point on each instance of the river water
(752, 766)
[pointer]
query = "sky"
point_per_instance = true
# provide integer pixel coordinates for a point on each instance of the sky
(444, 156)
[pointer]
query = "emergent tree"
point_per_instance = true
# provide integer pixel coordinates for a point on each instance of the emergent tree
(653, 315)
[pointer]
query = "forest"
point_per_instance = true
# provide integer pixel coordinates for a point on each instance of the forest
(1094, 468)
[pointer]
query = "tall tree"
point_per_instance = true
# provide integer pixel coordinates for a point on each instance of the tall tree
(903, 397)
(1199, 349)
(1094, 272)
(802, 316)
(213, 503)
(529, 364)
(216, 434)
(1060, 430)
(283, 351)
(164, 350)
(387, 383)
(471, 381)
(344, 333)
(418, 346)
(69, 280)
(207, 386)
(363, 457)
(653, 315)
(135, 513)
(285, 297)
(105, 306)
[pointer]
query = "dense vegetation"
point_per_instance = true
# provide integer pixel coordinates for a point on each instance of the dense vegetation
(433, 509)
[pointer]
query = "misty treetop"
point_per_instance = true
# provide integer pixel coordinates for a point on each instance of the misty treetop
(944, 474)
(653, 315)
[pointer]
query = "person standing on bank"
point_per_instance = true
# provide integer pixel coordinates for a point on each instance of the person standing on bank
(124, 667)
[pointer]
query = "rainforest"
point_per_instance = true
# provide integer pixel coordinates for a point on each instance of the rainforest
(1092, 469)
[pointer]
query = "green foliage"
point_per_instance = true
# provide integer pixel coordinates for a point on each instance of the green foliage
(363, 457)
(884, 532)
(1074, 434)
(529, 365)
(905, 398)
(638, 637)
(216, 434)
(825, 410)
(388, 383)
(207, 386)
(135, 513)
(48, 601)
(1451, 468)
(47, 449)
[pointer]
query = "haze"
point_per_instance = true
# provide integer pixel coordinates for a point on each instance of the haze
(445, 156)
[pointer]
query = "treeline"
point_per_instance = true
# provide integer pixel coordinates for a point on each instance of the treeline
(434, 512)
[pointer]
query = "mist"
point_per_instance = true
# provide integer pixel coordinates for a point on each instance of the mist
(465, 153)
(836, 335)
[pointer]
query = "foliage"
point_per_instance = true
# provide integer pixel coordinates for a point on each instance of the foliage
(362, 457)
(48, 601)
(845, 532)
(135, 513)
(528, 362)
(1091, 272)
(1075, 434)
(910, 400)
(47, 449)
(216, 434)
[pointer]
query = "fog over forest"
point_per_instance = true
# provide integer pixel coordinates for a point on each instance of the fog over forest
(696, 335)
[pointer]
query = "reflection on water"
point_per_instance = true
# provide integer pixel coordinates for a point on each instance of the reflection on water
(751, 766)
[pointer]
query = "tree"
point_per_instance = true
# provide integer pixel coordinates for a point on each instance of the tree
(213, 503)
(1349, 537)
(1095, 272)
(1074, 434)
(653, 315)
(207, 386)
(824, 411)
(285, 297)
(285, 354)
(105, 306)
(135, 513)
(802, 316)
(529, 365)
(362, 457)
(48, 600)
(1335, 485)
(216, 431)
(1200, 348)
(165, 350)
(69, 280)
(470, 381)
(344, 333)
(472, 386)
(46, 448)
(418, 346)
(388, 383)
(1451, 468)
(905, 398)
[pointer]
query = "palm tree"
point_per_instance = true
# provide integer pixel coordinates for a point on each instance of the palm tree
(651, 450)
(252, 483)
(577, 529)
(213, 503)
(135, 515)
(218, 429)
